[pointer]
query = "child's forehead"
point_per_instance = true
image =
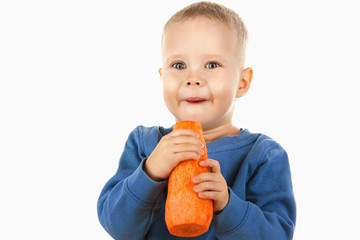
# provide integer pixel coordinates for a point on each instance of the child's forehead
(196, 20)
(200, 37)
(199, 28)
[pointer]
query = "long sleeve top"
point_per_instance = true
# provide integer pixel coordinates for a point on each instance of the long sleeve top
(256, 168)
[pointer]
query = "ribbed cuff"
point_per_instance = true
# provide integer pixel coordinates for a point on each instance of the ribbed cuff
(143, 187)
(232, 215)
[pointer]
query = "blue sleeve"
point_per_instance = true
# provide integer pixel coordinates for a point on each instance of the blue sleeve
(130, 200)
(269, 211)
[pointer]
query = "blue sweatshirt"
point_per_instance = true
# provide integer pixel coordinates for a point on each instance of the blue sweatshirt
(261, 204)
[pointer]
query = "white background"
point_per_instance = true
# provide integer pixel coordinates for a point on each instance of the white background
(78, 76)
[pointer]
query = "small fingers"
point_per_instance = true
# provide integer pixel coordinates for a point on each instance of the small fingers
(188, 147)
(181, 156)
(185, 144)
(208, 186)
(212, 164)
(183, 131)
(210, 195)
(204, 177)
(187, 140)
(185, 136)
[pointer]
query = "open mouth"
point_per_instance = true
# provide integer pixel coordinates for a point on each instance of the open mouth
(195, 100)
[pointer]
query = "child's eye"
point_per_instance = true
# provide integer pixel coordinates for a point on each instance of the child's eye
(212, 65)
(179, 65)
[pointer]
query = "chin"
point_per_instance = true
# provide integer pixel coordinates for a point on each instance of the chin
(200, 119)
(191, 117)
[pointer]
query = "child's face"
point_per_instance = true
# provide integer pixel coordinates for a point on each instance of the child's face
(201, 71)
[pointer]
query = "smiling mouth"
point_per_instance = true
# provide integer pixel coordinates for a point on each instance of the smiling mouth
(195, 100)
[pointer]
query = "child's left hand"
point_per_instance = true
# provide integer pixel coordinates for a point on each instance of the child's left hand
(212, 185)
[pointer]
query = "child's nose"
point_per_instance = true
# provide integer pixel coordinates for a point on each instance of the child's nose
(193, 83)
(194, 78)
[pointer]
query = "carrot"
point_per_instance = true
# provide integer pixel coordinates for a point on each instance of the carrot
(187, 215)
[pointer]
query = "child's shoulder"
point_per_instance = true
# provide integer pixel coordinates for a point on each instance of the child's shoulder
(153, 131)
(268, 149)
(266, 142)
(148, 137)
(259, 143)
(244, 139)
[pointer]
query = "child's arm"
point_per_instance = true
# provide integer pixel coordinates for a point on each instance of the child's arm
(269, 209)
(131, 200)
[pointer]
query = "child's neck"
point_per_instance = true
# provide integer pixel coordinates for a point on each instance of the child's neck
(221, 131)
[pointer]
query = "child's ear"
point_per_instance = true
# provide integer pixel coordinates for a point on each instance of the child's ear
(160, 72)
(245, 81)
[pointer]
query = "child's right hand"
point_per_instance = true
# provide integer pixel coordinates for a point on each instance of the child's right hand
(173, 148)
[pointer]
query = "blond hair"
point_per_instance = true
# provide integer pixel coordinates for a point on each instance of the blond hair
(218, 12)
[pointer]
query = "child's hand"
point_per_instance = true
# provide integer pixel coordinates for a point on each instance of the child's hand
(177, 146)
(212, 185)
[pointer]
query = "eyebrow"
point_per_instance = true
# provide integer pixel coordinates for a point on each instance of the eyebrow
(175, 56)
(208, 56)
(217, 57)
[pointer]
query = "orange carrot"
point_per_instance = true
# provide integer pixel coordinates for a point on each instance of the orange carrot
(187, 215)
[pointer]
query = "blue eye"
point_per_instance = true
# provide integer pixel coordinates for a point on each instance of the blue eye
(179, 65)
(212, 65)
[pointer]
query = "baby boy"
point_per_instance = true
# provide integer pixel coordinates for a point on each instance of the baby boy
(203, 74)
